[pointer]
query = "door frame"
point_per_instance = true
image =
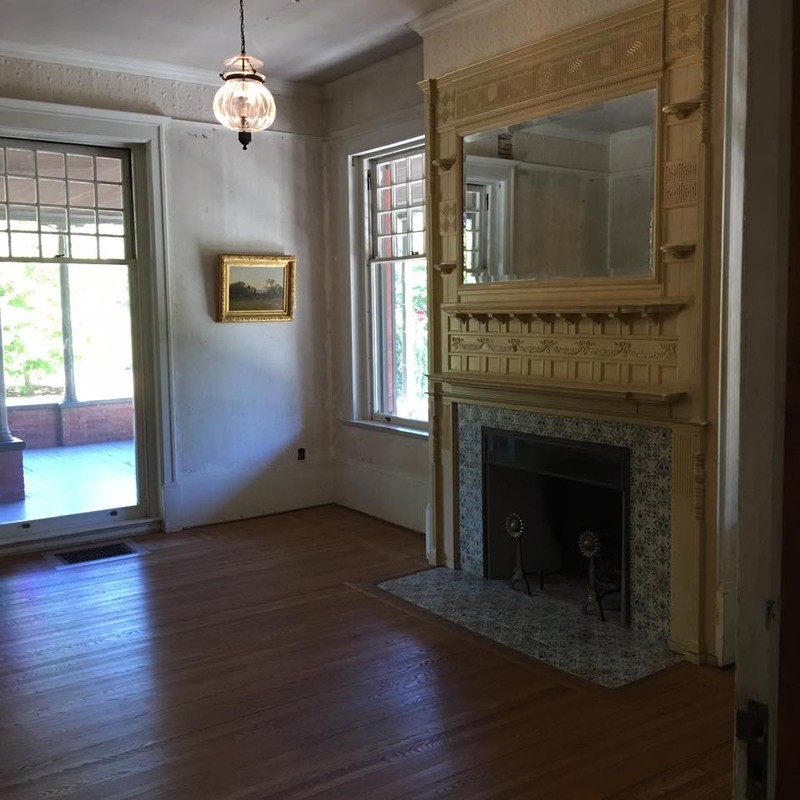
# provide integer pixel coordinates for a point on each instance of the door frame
(144, 136)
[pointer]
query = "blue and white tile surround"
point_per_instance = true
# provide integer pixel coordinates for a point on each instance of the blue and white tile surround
(650, 497)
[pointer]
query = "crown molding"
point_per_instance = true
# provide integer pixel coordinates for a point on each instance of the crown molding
(455, 12)
(69, 57)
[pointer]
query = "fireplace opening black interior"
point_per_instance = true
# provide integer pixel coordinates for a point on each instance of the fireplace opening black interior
(559, 488)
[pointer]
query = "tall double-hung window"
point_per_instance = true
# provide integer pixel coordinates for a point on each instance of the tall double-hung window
(397, 286)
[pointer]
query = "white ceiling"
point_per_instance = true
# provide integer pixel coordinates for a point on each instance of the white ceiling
(309, 40)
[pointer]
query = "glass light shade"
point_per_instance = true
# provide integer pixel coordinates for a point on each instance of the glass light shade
(243, 103)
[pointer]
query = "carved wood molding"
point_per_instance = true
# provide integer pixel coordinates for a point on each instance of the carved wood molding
(683, 109)
(699, 483)
(575, 389)
(623, 350)
(628, 313)
(680, 183)
(679, 251)
(601, 54)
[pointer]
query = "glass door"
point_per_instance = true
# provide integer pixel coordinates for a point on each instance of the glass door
(68, 410)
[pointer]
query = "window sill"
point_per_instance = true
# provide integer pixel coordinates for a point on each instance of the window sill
(386, 427)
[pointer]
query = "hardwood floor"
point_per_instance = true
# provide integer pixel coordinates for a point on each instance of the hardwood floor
(245, 662)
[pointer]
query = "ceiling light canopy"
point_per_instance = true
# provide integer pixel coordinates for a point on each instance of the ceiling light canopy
(243, 103)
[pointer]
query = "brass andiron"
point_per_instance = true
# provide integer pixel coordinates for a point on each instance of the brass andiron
(589, 546)
(515, 528)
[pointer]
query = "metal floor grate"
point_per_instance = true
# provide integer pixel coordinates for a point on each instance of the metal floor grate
(99, 553)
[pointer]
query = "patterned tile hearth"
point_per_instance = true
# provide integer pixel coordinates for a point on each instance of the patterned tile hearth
(548, 629)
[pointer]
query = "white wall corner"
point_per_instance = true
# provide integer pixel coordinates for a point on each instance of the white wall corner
(391, 496)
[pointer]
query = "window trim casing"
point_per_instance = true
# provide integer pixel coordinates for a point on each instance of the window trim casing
(362, 229)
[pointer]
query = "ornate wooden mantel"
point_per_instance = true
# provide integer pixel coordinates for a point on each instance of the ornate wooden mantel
(636, 349)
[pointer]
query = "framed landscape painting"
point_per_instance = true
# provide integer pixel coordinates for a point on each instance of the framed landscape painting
(256, 288)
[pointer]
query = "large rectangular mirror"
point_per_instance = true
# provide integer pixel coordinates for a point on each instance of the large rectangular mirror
(568, 195)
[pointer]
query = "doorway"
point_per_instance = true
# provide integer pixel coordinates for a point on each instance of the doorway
(71, 366)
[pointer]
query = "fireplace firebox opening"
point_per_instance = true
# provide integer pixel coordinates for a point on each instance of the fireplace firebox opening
(572, 499)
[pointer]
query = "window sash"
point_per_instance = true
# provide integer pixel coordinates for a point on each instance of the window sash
(397, 286)
(62, 202)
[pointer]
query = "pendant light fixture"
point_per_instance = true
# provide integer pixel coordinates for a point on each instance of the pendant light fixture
(243, 103)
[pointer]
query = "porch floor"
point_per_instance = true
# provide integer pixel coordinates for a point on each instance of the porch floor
(60, 481)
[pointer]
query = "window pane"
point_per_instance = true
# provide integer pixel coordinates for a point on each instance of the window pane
(385, 247)
(81, 194)
(25, 245)
(20, 162)
(384, 199)
(400, 221)
(109, 195)
(84, 247)
(23, 218)
(30, 306)
(111, 223)
(53, 219)
(384, 173)
(22, 190)
(400, 171)
(385, 223)
(52, 192)
(400, 196)
(3, 195)
(402, 345)
(109, 169)
(4, 253)
(52, 245)
(80, 167)
(51, 165)
(101, 331)
(82, 221)
(3, 218)
(416, 166)
(112, 247)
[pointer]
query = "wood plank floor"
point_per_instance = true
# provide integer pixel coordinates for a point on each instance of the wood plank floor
(244, 662)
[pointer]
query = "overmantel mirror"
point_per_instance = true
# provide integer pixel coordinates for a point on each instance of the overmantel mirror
(567, 195)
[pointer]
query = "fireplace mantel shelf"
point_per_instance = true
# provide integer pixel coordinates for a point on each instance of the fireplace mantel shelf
(628, 312)
(573, 388)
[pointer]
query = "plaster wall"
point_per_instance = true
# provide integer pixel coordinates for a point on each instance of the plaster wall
(490, 28)
(247, 396)
(378, 471)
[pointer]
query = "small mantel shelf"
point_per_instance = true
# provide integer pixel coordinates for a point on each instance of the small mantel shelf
(628, 313)
(683, 109)
(639, 395)
(679, 250)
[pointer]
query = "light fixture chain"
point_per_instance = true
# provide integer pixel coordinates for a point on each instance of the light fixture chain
(241, 21)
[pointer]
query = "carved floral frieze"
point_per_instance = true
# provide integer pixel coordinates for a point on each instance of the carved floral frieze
(587, 348)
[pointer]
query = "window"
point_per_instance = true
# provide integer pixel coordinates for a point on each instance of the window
(65, 253)
(397, 286)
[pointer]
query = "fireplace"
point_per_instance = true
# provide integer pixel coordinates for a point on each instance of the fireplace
(541, 496)
(650, 452)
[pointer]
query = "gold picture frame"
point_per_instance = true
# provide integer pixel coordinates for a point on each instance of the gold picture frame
(256, 288)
